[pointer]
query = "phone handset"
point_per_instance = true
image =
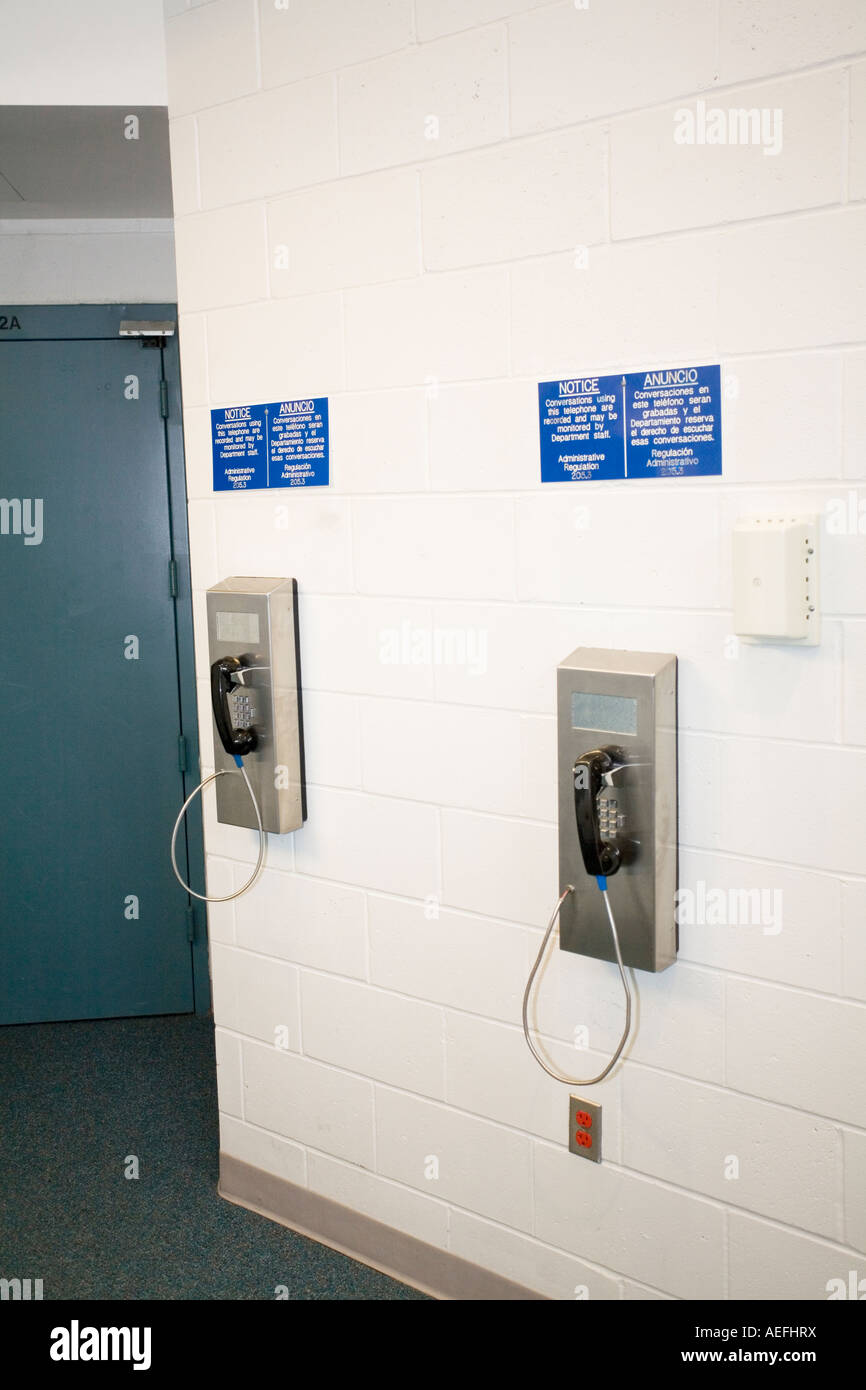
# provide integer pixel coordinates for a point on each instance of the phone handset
(237, 742)
(601, 857)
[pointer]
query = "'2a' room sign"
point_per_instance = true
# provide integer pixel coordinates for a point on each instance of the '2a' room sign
(279, 444)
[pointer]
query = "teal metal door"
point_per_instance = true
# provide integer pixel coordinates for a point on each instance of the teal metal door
(93, 922)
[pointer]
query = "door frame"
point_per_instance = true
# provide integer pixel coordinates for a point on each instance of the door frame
(62, 322)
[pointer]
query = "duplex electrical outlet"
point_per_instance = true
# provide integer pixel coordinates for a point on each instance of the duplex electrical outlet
(584, 1128)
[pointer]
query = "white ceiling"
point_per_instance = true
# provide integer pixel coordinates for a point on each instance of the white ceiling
(82, 53)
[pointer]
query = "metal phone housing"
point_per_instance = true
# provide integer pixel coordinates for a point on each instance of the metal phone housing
(625, 702)
(256, 620)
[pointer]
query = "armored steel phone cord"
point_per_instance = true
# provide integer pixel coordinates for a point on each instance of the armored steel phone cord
(558, 1076)
(229, 897)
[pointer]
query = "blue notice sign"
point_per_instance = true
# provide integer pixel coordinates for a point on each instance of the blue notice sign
(279, 444)
(240, 447)
(658, 424)
(581, 423)
(674, 423)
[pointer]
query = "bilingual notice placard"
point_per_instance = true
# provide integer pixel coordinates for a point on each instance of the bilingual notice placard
(278, 444)
(665, 423)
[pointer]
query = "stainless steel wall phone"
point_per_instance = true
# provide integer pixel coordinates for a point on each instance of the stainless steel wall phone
(617, 745)
(256, 700)
(256, 708)
(617, 741)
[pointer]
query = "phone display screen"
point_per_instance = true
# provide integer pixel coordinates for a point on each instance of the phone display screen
(238, 627)
(610, 714)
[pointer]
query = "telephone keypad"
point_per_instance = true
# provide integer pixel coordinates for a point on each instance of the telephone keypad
(243, 712)
(610, 819)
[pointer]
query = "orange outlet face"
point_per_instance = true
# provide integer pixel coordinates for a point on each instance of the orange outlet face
(584, 1128)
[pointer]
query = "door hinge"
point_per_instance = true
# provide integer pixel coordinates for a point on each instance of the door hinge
(182, 762)
(163, 399)
(172, 578)
(190, 923)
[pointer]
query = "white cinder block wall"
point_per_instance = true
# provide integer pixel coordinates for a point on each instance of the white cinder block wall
(475, 195)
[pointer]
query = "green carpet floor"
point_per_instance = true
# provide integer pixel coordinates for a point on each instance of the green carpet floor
(75, 1100)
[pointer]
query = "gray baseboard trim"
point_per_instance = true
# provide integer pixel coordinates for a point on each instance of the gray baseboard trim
(412, 1261)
